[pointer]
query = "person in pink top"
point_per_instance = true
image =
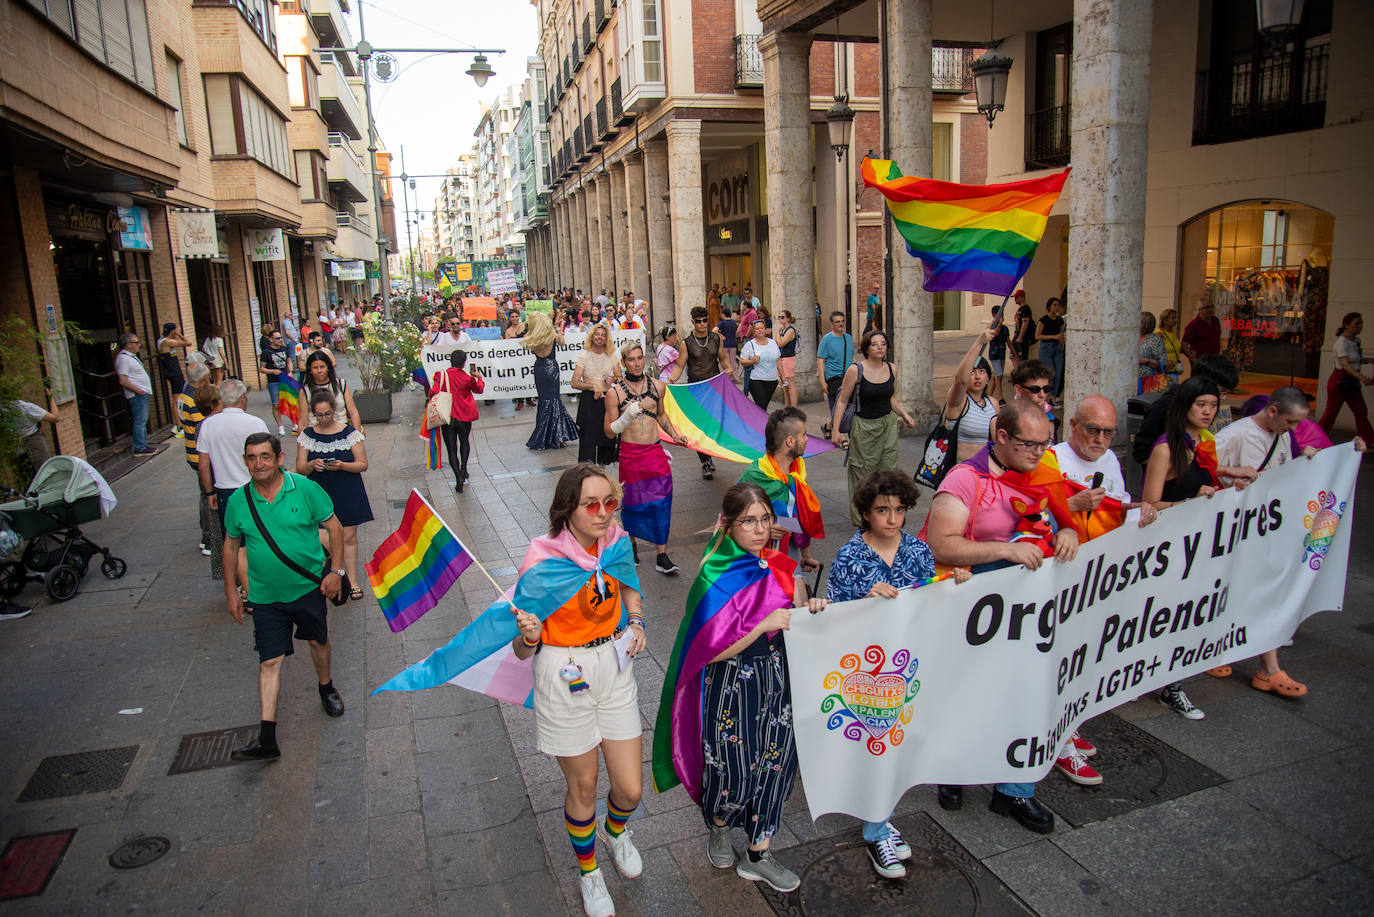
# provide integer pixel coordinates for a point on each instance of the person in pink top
(457, 432)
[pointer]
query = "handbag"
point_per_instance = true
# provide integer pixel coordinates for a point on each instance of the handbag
(847, 418)
(940, 452)
(439, 408)
(345, 586)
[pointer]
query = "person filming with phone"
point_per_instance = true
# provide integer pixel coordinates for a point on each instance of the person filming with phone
(331, 453)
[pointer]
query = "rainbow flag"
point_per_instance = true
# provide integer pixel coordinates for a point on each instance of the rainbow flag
(289, 397)
(719, 420)
(790, 495)
(415, 566)
(480, 656)
(732, 593)
(970, 237)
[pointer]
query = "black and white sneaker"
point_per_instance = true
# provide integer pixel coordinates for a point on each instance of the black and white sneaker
(708, 471)
(883, 855)
(665, 565)
(1174, 698)
(9, 611)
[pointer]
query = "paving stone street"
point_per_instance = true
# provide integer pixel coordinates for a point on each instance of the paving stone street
(437, 802)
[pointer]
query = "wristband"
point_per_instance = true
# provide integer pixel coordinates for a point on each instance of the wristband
(526, 640)
(637, 619)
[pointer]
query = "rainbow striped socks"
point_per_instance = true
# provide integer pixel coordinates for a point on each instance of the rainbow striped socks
(616, 817)
(583, 837)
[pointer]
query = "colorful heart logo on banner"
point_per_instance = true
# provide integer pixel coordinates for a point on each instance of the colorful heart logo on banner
(872, 705)
(1322, 519)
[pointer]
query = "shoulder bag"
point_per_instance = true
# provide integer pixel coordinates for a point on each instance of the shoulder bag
(847, 418)
(344, 587)
(439, 408)
(940, 452)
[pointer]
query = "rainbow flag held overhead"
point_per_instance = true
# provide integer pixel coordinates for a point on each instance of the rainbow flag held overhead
(289, 397)
(970, 237)
(719, 420)
(416, 564)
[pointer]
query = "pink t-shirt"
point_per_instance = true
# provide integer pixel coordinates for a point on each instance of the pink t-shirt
(991, 517)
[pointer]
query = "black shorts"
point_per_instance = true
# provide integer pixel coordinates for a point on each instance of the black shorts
(272, 624)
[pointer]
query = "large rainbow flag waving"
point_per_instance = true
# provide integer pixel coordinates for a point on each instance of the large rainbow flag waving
(415, 566)
(719, 420)
(970, 237)
(480, 657)
(732, 594)
(289, 397)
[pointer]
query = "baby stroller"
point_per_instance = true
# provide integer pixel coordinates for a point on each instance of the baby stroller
(65, 493)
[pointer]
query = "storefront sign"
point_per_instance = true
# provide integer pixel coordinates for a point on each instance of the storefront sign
(197, 234)
(350, 270)
(58, 358)
(137, 234)
(727, 191)
(725, 234)
(94, 223)
(265, 244)
(255, 316)
(374, 271)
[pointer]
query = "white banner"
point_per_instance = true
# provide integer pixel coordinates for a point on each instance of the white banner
(509, 368)
(265, 244)
(981, 682)
(502, 281)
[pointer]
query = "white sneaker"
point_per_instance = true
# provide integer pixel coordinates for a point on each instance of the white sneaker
(596, 901)
(883, 855)
(623, 851)
(281, 430)
(205, 552)
(902, 847)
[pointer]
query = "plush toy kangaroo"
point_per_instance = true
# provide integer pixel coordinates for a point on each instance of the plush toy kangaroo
(1034, 525)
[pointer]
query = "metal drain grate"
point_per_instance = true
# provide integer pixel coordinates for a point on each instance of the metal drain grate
(204, 750)
(140, 852)
(28, 863)
(78, 774)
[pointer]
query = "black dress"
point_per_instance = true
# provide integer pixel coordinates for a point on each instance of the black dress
(594, 446)
(553, 426)
(345, 488)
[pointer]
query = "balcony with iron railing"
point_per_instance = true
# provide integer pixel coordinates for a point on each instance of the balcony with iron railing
(748, 62)
(951, 70)
(588, 36)
(1047, 138)
(589, 134)
(619, 115)
(604, 129)
(345, 172)
(1276, 94)
(603, 13)
(578, 146)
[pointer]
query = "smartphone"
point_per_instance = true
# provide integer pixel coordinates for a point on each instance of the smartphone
(332, 461)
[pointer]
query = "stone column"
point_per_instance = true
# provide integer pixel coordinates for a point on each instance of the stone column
(636, 226)
(606, 220)
(565, 258)
(791, 239)
(689, 238)
(912, 340)
(581, 232)
(1109, 134)
(592, 194)
(620, 229)
(659, 232)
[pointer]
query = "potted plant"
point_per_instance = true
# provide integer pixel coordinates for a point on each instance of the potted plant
(385, 356)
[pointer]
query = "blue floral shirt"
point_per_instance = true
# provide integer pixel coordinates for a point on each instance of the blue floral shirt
(857, 567)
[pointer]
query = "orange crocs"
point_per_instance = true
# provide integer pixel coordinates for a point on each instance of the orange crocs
(1279, 683)
(1221, 671)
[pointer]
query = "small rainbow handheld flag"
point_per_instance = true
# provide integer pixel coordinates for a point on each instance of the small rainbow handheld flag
(415, 566)
(289, 397)
(970, 237)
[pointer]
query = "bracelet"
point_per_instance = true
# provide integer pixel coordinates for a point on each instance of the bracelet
(526, 640)
(637, 619)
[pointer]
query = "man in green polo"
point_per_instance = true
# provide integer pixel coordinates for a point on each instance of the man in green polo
(290, 510)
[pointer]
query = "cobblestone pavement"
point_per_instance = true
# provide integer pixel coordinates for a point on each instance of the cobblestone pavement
(437, 802)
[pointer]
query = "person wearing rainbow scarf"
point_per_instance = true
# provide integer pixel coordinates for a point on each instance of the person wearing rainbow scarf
(724, 728)
(781, 472)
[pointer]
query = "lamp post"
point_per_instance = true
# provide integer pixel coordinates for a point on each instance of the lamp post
(990, 83)
(839, 119)
(479, 71)
(1278, 18)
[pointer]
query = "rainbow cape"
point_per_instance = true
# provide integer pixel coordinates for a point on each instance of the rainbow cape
(415, 566)
(1047, 480)
(720, 420)
(970, 237)
(289, 397)
(480, 657)
(789, 493)
(733, 592)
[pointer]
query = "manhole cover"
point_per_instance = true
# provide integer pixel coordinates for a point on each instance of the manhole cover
(140, 852)
(203, 750)
(84, 772)
(1137, 769)
(28, 863)
(942, 878)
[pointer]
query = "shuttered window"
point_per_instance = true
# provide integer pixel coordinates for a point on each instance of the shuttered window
(219, 106)
(114, 32)
(242, 123)
(177, 100)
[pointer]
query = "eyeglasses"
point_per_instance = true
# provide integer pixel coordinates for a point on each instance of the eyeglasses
(611, 504)
(698, 321)
(1095, 432)
(1032, 446)
(321, 415)
(1035, 389)
(753, 522)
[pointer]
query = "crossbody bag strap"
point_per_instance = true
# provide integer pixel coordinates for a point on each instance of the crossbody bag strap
(290, 564)
(1270, 454)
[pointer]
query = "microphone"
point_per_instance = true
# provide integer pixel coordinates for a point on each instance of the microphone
(1097, 480)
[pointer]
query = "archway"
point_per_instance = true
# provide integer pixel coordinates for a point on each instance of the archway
(1264, 264)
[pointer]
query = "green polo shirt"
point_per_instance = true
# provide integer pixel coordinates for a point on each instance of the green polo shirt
(294, 519)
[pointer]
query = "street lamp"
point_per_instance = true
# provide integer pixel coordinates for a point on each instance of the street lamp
(990, 83)
(1278, 18)
(839, 119)
(480, 71)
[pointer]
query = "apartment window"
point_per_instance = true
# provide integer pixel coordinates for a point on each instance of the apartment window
(652, 44)
(242, 124)
(174, 89)
(1047, 123)
(114, 32)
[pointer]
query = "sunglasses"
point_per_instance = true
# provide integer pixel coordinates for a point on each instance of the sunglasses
(611, 504)
(1036, 389)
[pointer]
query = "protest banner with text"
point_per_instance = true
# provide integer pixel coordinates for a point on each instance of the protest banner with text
(982, 682)
(509, 367)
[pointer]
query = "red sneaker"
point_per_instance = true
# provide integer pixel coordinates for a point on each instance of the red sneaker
(1077, 769)
(1085, 748)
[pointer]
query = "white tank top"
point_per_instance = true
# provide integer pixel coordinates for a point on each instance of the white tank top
(977, 421)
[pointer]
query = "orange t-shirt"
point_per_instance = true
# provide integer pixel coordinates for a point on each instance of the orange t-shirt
(587, 616)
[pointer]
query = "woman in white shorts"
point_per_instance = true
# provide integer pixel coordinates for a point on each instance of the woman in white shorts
(583, 700)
